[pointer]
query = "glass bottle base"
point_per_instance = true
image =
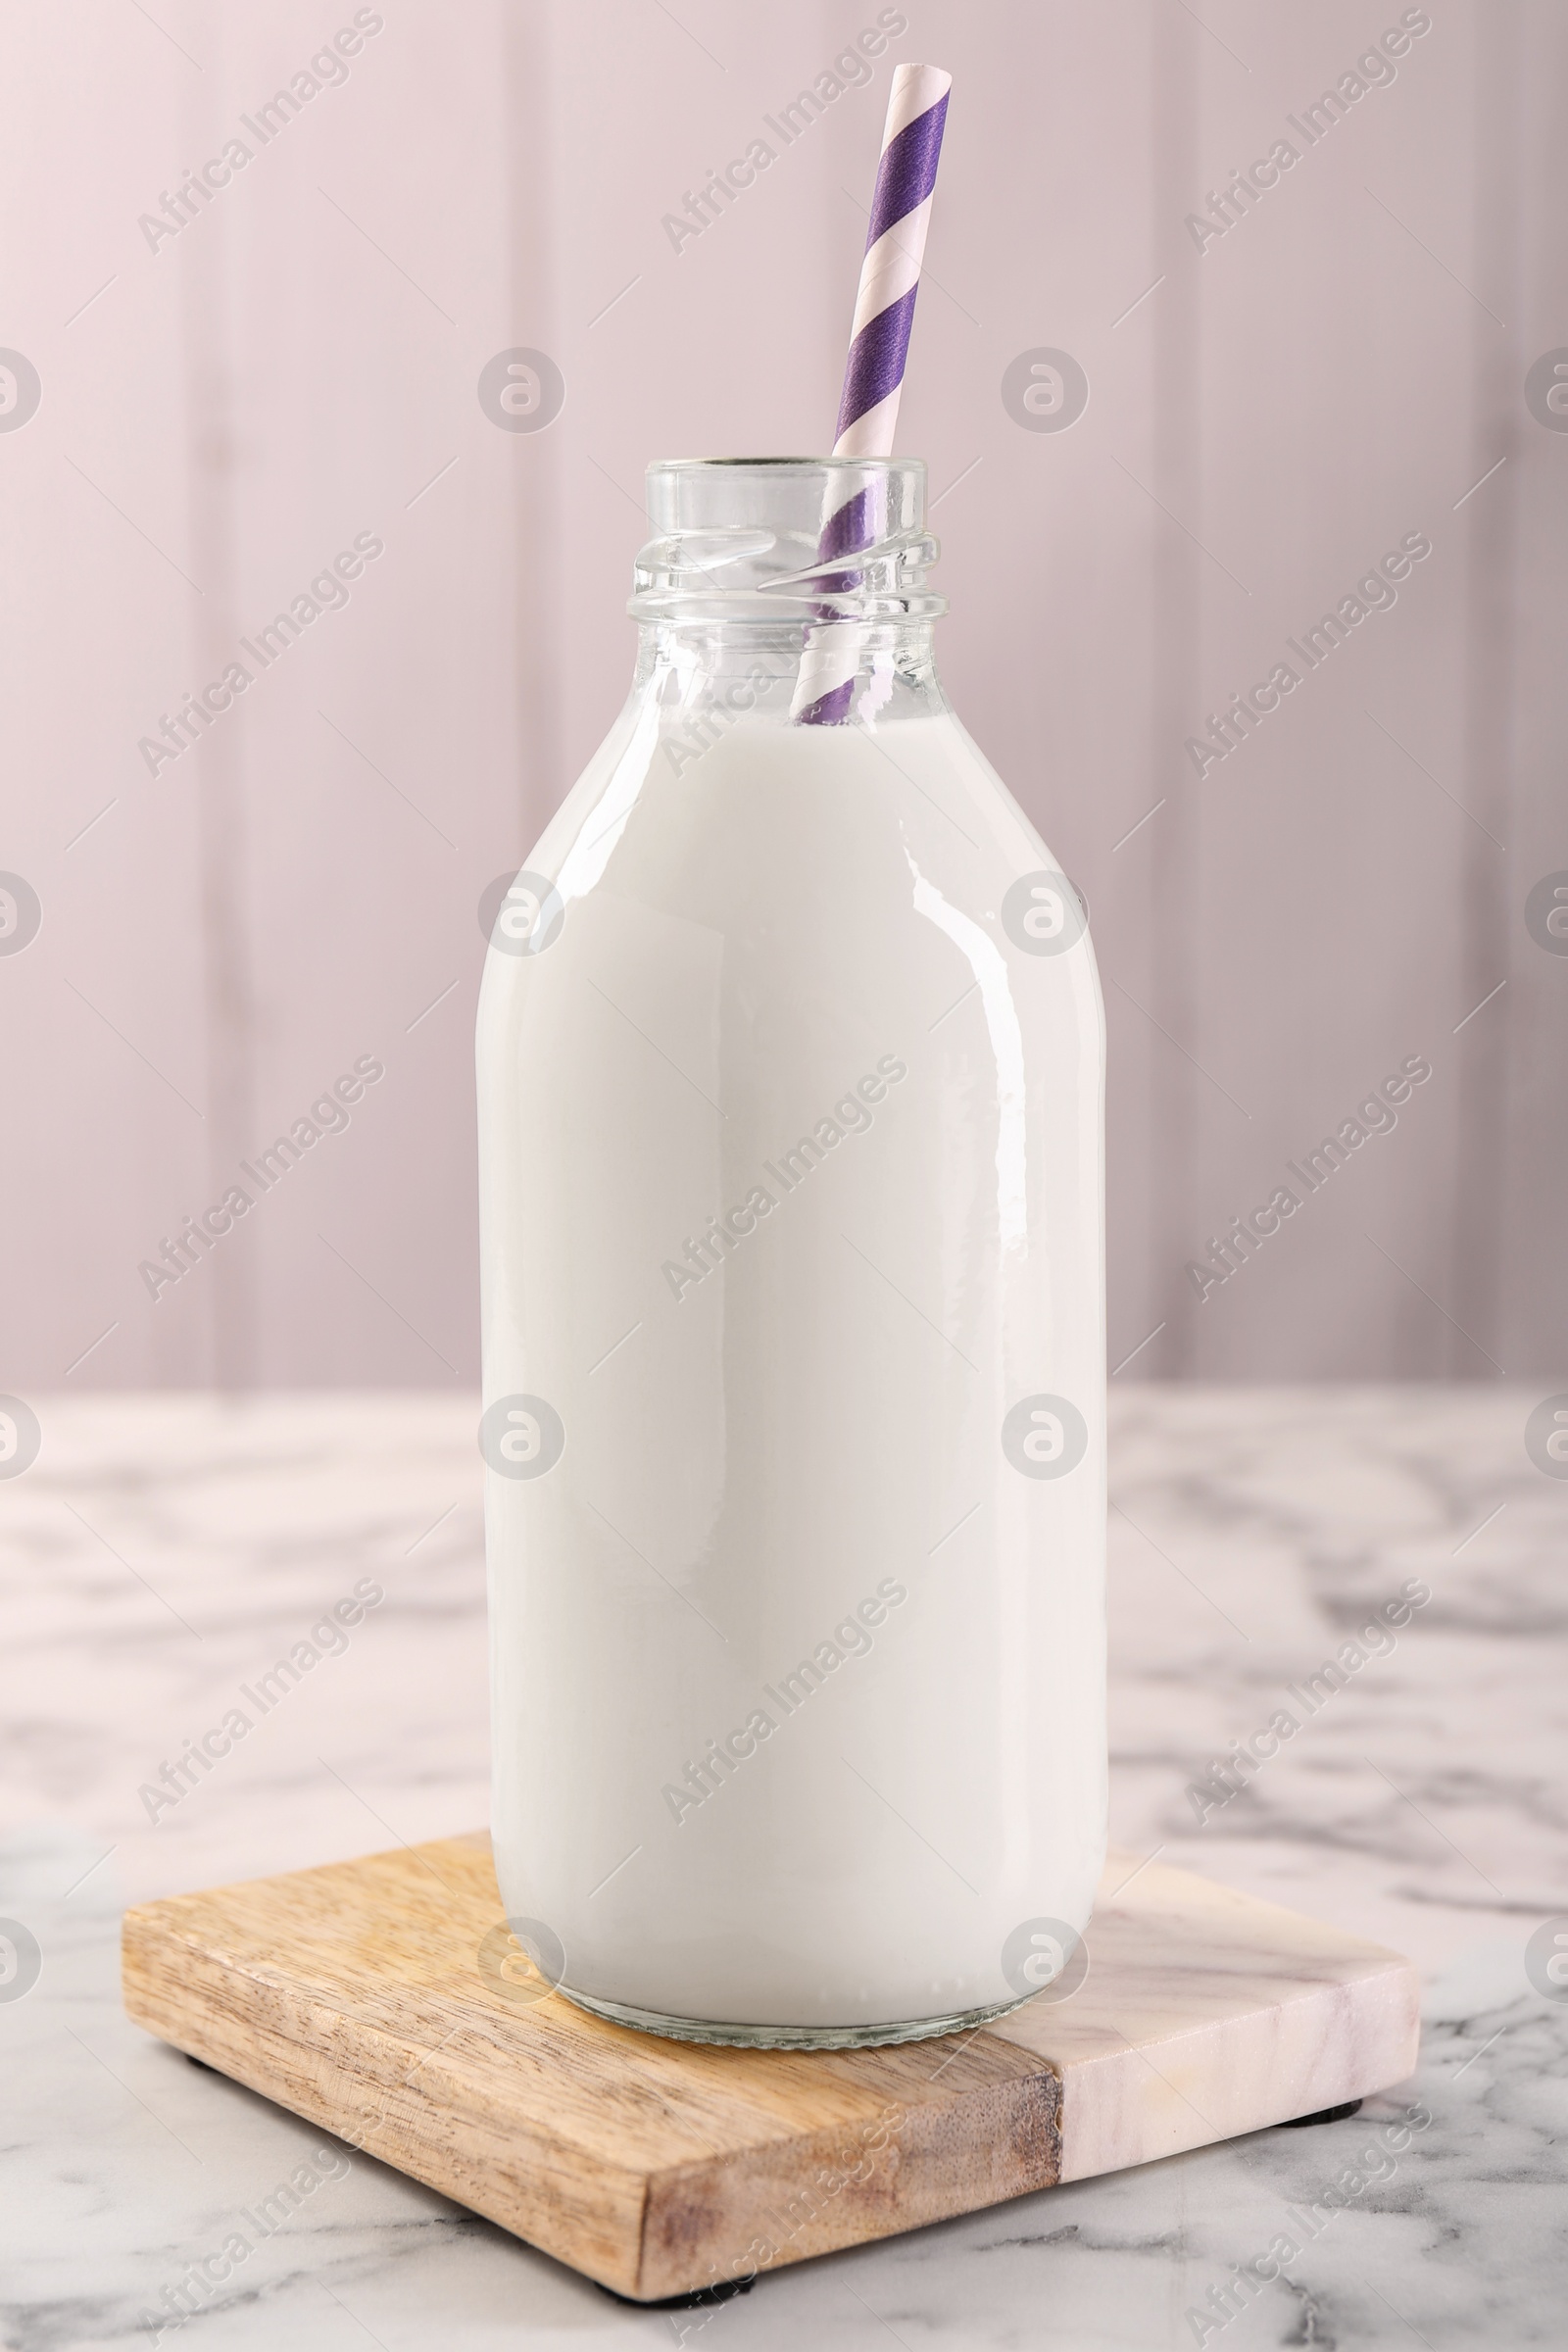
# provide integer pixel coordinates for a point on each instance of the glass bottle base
(788, 2037)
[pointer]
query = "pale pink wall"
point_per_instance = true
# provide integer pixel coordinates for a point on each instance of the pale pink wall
(1278, 412)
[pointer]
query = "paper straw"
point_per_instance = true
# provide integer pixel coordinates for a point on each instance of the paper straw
(879, 345)
(890, 274)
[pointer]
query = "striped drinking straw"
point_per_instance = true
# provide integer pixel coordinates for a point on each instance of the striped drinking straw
(879, 344)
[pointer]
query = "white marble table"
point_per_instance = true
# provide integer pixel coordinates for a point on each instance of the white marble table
(159, 1553)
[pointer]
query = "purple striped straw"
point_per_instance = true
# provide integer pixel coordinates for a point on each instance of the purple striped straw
(879, 345)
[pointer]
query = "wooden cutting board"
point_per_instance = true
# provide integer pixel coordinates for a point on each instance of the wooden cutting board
(355, 1995)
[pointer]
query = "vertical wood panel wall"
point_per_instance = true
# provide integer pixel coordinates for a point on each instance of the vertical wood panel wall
(221, 415)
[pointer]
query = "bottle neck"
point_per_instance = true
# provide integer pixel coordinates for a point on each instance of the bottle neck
(739, 669)
(788, 586)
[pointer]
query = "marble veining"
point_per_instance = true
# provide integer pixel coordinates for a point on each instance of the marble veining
(162, 1551)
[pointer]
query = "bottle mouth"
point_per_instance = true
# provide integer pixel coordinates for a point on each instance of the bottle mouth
(786, 538)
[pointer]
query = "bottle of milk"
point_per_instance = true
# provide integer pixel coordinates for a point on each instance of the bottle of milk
(791, 1108)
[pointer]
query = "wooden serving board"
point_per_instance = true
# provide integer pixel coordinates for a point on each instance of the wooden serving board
(353, 1996)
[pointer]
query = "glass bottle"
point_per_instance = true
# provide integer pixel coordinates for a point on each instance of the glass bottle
(791, 1108)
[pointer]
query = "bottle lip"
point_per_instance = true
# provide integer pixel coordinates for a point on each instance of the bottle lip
(846, 464)
(743, 538)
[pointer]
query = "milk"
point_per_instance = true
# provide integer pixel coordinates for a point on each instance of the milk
(791, 1194)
